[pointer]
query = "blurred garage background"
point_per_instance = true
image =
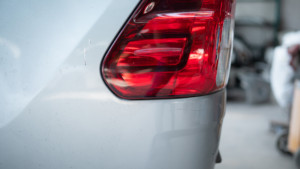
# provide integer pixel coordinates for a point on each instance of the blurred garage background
(260, 121)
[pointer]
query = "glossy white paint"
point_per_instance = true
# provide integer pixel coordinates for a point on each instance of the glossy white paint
(56, 112)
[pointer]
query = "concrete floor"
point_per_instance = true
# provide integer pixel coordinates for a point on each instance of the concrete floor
(247, 142)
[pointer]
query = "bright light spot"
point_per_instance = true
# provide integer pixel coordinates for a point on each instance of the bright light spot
(197, 54)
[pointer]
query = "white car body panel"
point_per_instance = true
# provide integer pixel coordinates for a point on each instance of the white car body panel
(56, 111)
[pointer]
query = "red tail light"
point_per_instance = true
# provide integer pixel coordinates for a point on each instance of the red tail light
(171, 48)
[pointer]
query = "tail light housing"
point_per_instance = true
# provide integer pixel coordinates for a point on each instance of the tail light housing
(171, 48)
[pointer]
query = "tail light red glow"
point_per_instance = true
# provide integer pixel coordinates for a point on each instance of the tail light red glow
(171, 48)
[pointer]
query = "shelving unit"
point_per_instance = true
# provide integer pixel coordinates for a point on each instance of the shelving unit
(276, 24)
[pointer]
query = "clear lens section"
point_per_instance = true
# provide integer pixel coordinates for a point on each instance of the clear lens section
(225, 52)
(171, 48)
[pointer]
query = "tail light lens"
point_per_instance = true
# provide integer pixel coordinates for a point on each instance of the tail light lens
(171, 48)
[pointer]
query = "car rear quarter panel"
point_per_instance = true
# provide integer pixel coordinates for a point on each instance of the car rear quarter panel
(61, 114)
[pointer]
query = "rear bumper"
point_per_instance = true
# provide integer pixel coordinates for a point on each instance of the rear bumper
(85, 133)
(189, 137)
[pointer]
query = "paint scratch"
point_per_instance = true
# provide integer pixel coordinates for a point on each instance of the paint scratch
(84, 56)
